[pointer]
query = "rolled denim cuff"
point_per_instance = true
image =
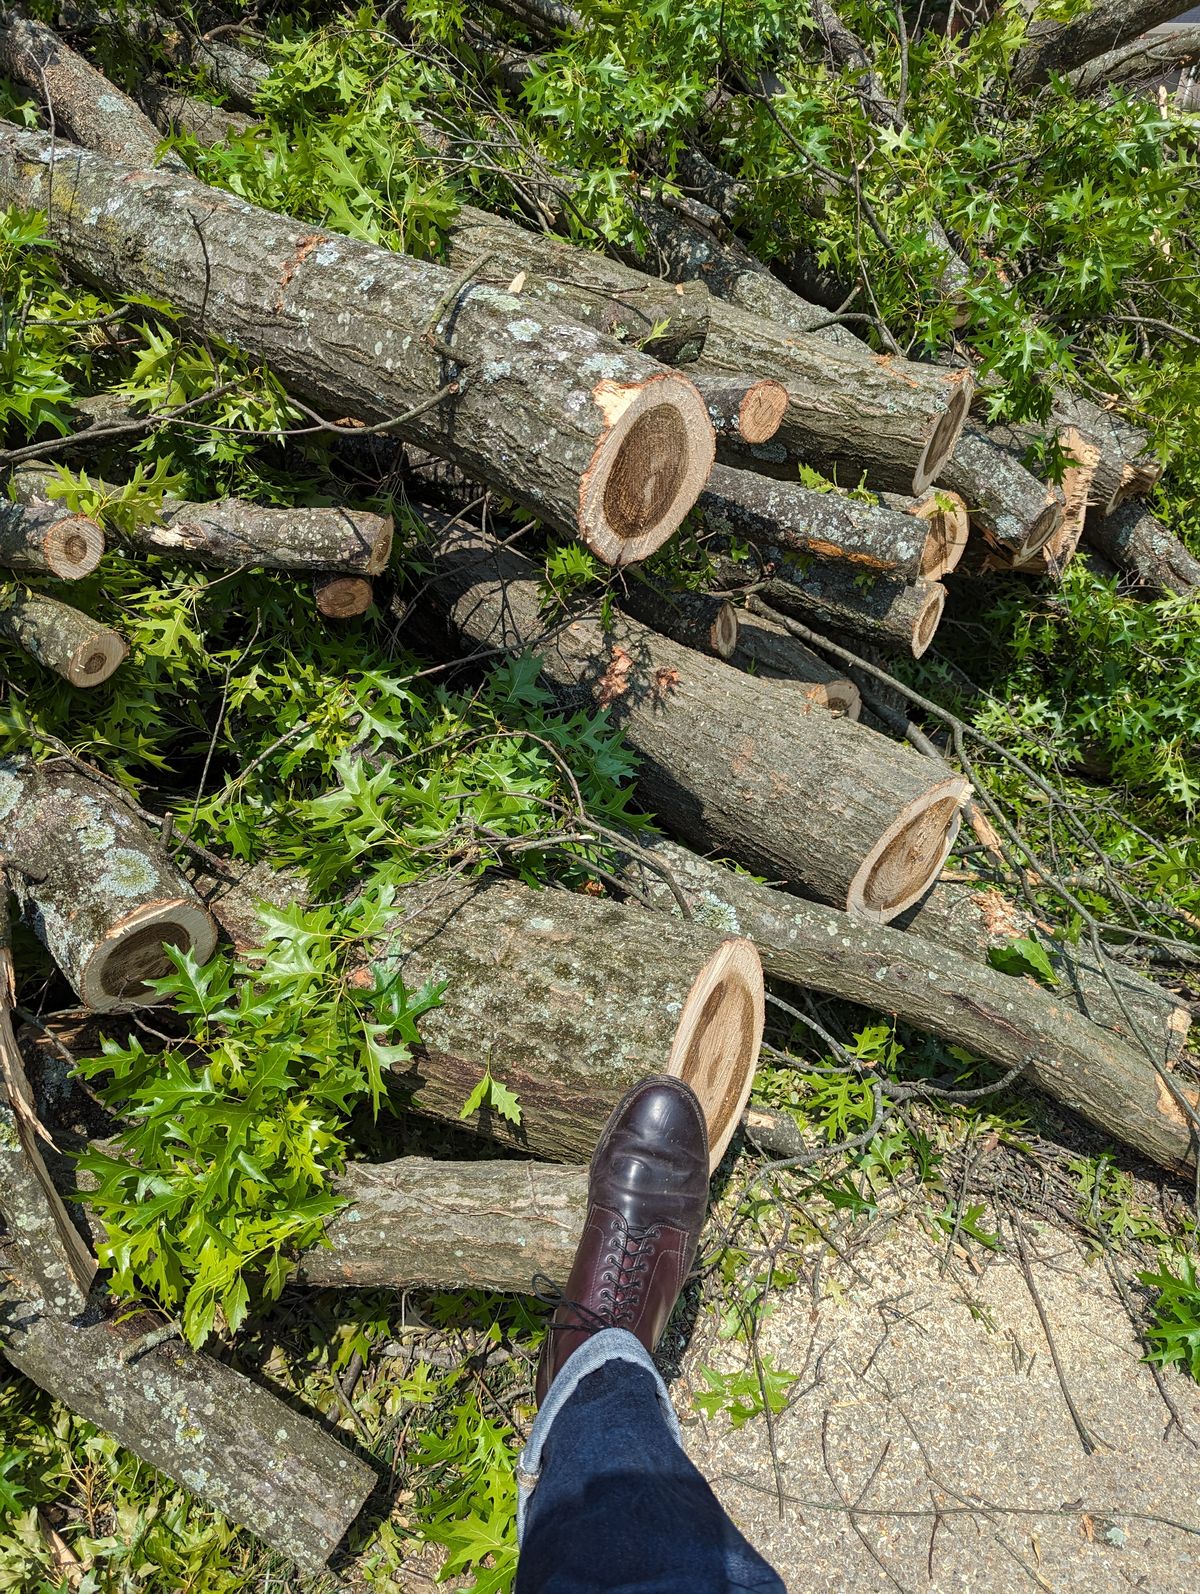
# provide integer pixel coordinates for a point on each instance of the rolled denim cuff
(609, 1345)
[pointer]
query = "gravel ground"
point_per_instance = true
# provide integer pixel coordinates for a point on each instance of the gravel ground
(929, 1445)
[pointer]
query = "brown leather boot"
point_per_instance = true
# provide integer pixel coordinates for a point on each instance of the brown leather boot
(647, 1196)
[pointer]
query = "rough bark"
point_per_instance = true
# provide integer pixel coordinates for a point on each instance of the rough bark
(86, 106)
(1015, 512)
(1076, 487)
(342, 597)
(693, 619)
(61, 638)
(465, 1225)
(231, 532)
(1126, 468)
(95, 884)
(611, 298)
(172, 111)
(39, 538)
(768, 650)
(851, 414)
(1141, 545)
(569, 1001)
(739, 407)
(232, 1444)
(890, 612)
(232, 71)
(825, 527)
(595, 439)
(973, 917)
(1145, 60)
(1059, 47)
(1006, 1019)
(726, 761)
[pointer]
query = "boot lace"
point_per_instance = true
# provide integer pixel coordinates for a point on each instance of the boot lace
(625, 1266)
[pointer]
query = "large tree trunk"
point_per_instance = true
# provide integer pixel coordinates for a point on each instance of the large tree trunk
(726, 761)
(234, 1445)
(96, 885)
(974, 918)
(825, 526)
(595, 439)
(768, 650)
(568, 1002)
(1058, 47)
(61, 638)
(231, 532)
(466, 1225)
(892, 613)
(1008, 1020)
(38, 538)
(1140, 544)
(86, 106)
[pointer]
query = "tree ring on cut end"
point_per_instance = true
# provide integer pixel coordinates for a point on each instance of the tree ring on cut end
(73, 547)
(113, 978)
(716, 1045)
(929, 619)
(648, 469)
(1040, 533)
(908, 857)
(944, 436)
(725, 631)
(95, 659)
(949, 528)
(762, 410)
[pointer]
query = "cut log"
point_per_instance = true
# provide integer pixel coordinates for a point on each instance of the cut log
(172, 112)
(568, 1002)
(666, 319)
(1007, 1020)
(766, 649)
(726, 760)
(342, 597)
(231, 532)
(740, 505)
(1058, 47)
(890, 612)
(597, 440)
(851, 414)
(1126, 468)
(99, 890)
(464, 1225)
(693, 619)
(38, 538)
(1016, 513)
(739, 407)
(974, 917)
(86, 106)
(1060, 547)
(48, 1253)
(1143, 62)
(949, 525)
(234, 1445)
(1138, 543)
(60, 637)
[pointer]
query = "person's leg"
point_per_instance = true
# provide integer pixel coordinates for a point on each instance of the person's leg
(609, 1501)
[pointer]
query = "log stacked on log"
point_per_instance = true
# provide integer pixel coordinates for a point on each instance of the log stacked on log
(727, 761)
(37, 538)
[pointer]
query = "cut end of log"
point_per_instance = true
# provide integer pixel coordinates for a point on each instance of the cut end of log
(342, 597)
(725, 630)
(928, 619)
(113, 980)
(73, 546)
(908, 857)
(761, 412)
(716, 1046)
(949, 528)
(95, 659)
(944, 436)
(649, 468)
(1040, 533)
(841, 696)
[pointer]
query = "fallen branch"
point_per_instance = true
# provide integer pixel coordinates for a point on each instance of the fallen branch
(61, 638)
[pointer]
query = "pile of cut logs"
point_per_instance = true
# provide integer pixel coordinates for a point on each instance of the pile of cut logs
(611, 404)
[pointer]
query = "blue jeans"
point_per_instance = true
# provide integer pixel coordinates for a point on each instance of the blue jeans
(608, 1501)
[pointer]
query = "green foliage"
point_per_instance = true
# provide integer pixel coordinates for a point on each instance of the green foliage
(471, 1496)
(745, 1394)
(1174, 1330)
(493, 1094)
(1024, 956)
